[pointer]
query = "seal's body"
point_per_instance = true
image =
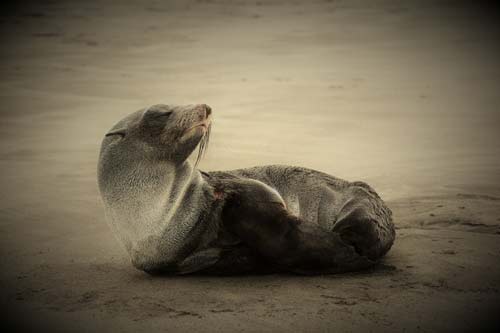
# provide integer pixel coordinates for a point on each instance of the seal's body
(173, 218)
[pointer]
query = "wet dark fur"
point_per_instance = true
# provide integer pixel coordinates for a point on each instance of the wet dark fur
(253, 226)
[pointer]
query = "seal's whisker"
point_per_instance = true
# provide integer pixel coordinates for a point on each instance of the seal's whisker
(203, 146)
(208, 136)
(198, 157)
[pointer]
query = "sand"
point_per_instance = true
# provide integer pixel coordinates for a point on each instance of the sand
(402, 95)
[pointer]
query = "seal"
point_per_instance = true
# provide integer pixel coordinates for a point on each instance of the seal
(173, 218)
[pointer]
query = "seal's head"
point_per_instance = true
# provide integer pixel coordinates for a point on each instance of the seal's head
(161, 134)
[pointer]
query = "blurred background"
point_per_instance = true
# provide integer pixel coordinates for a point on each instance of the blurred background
(404, 95)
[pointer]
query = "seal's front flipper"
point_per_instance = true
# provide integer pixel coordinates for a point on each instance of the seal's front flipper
(198, 261)
(288, 242)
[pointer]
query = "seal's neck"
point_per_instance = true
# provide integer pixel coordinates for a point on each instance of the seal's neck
(177, 181)
(158, 194)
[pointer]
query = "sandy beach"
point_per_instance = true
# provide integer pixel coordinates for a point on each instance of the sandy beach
(403, 95)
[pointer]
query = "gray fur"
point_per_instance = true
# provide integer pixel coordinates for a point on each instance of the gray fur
(153, 197)
(168, 215)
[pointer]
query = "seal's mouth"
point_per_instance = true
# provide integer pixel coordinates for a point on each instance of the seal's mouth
(203, 125)
(206, 126)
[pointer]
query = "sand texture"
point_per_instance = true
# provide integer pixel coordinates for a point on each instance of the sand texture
(401, 94)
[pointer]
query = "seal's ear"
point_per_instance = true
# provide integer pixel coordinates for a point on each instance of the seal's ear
(119, 132)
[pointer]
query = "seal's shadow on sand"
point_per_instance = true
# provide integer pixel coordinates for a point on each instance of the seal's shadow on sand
(380, 268)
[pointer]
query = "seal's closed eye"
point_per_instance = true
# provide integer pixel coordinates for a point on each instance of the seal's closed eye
(164, 114)
(161, 116)
(121, 134)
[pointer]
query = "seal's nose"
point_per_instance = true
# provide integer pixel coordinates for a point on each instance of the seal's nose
(208, 110)
(202, 110)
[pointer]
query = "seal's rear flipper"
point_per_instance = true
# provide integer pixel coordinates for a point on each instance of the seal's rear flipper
(366, 225)
(359, 230)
